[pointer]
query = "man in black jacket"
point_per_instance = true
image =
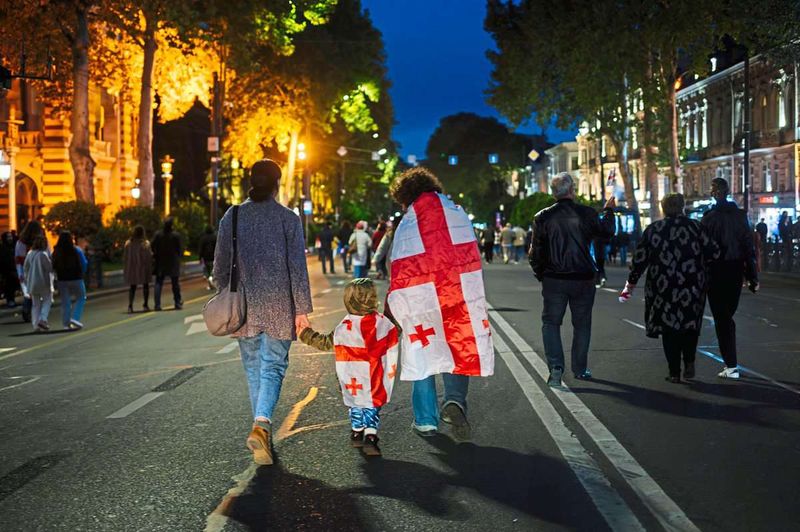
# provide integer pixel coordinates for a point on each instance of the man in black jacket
(167, 251)
(727, 224)
(560, 259)
(326, 247)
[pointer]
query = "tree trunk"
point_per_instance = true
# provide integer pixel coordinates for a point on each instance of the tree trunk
(674, 145)
(79, 148)
(649, 147)
(145, 136)
(625, 174)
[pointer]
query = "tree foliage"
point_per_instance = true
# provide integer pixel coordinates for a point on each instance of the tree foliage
(82, 218)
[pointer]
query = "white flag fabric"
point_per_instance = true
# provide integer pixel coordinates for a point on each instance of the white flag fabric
(366, 349)
(436, 292)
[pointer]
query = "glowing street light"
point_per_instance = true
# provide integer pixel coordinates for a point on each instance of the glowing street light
(301, 152)
(166, 175)
(136, 192)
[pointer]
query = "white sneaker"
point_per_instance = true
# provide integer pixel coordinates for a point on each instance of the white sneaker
(76, 324)
(729, 373)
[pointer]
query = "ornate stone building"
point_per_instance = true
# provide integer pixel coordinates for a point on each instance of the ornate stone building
(37, 146)
(711, 112)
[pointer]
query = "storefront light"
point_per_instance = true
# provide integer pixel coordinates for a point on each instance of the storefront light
(5, 169)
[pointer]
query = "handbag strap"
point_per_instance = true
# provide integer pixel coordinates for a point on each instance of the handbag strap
(234, 285)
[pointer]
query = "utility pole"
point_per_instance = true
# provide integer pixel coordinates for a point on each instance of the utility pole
(747, 125)
(214, 146)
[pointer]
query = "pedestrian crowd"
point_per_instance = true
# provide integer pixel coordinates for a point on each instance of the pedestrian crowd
(435, 318)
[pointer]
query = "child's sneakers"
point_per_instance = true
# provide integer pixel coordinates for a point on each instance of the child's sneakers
(370, 447)
(357, 438)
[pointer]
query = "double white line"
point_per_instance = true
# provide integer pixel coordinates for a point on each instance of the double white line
(609, 503)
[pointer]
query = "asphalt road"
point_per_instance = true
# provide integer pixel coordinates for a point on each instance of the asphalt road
(138, 423)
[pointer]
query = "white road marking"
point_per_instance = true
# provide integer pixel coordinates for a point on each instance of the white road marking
(612, 290)
(638, 325)
(33, 378)
(751, 372)
(743, 369)
(326, 291)
(130, 408)
(228, 348)
(6, 349)
(197, 328)
(190, 319)
(709, 318)
(342, 283)
(663, 508)
(613, 508)
(322, 314)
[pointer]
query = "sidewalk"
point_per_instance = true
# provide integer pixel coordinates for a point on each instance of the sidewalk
(112, 284)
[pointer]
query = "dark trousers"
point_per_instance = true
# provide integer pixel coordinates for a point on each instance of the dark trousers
(488, 252)
(145, 293)
(677, 345)
(326, 256)
(725, 288)
(579, 295)
(176, 289)
(600, 259)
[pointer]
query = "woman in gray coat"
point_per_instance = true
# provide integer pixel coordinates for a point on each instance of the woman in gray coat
(137, 266)
(272, 270)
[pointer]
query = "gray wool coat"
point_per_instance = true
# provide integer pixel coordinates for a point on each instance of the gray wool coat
(272, 267)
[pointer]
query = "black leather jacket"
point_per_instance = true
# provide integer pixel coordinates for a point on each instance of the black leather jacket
(727, 224)
(562, 234)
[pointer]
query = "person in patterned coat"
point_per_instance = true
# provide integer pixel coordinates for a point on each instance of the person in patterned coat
(676, 252)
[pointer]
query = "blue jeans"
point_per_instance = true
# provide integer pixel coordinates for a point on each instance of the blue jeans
(68, 290)
(265, 360)
(425, 403)
(360, 271)
(579, 295)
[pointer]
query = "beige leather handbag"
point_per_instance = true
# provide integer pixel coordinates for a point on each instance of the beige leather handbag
(226, 312)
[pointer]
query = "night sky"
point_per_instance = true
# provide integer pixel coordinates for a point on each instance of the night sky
(437, 65)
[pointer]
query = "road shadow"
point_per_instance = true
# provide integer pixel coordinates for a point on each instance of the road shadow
(278, 500)
(43, 333)
(533, 484)
(686, 406)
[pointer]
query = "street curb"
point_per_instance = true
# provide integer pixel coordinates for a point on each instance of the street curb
(90, 294)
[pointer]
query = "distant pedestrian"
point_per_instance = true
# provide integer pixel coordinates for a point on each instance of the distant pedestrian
(519, 244)
(498, 249)
(359, 248)
(384, 251)
(345, 231)
(674, 304)
(8, 271)
(38, 270)
(762, 230)
(272, 269)
(70, 264)
(507, 242)
(27, 236)
(167, 252)
(487, 242)
(787, 244)
(205, 251)
(623, 241)
(363, 340)
(137, 267)
(377, 235)
(728, 226)
(326, 237)
(561, 260)
(437, 298)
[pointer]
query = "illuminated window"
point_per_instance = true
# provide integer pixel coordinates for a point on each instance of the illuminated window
(781, 110)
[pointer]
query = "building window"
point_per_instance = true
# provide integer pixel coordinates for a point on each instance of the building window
(634, 138)
(781, 109)
(766, 177)
(636, 177)
(575, 164)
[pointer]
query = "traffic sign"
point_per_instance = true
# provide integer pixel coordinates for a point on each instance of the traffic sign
(342, 151)
(452, 160)
(533, 155)
(376, 156)
(307, 207)
(494, 158)
(213, 143)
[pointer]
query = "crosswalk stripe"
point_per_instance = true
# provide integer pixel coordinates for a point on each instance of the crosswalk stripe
(664, 509)
(228, 348)
(196, 328)
(130, 408)
(191, 319)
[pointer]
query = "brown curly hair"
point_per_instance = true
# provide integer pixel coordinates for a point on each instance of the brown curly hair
(412, 183)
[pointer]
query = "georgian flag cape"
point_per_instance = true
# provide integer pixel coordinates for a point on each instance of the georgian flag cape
(366, 350)
(436, 292)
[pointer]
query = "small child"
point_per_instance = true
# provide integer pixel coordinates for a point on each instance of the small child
(366, 348)
(38, 270)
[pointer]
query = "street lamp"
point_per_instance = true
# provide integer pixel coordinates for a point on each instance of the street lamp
(166, 175)
(136, 192)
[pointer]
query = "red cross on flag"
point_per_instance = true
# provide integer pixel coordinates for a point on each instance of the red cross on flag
(366, 349)
(436, 292)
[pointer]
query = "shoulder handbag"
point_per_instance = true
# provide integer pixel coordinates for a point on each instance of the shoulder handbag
(226, 312)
